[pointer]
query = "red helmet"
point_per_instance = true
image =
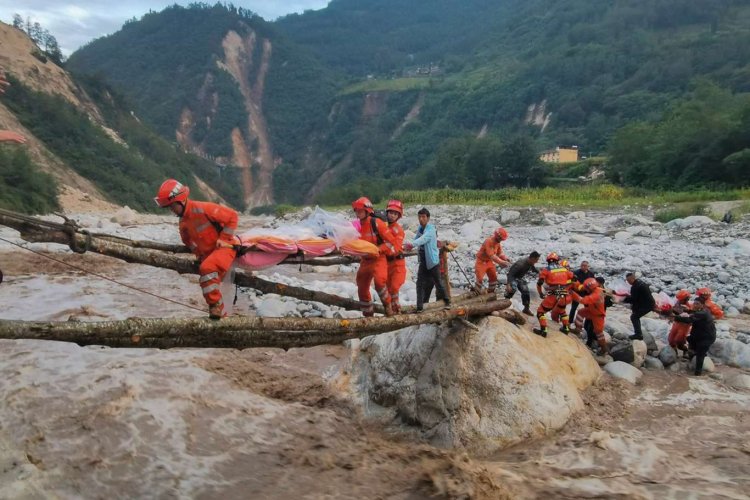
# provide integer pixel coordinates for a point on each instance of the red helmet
(704, 292)
(553, 257)
(363, 204)
(590, 284)
(395, 206)
(171, 191)
(500, 233)
(683, 295)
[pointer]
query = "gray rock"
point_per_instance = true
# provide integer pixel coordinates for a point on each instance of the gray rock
(622, 351)
(667, 356)
(623, 235)
(724, 277)
(732, 312)
(738, 380)
(507, 216)
(618, 369)
(708, 365)
(579, 238)
(653, 363)
(694, 221)
(477, 390)
(739, 247)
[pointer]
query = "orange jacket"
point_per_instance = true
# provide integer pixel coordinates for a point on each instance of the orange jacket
(716, 311)
(388, 245)
(491, 250)
(203, 223)
(556, 276)
(594, 302)
(398, 238)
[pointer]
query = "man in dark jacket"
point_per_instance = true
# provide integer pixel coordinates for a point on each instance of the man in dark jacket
(582, 274)
(515, 281)
(642, 303)
(702, 334)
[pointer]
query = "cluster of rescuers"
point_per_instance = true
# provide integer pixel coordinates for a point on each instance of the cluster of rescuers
(208, 230)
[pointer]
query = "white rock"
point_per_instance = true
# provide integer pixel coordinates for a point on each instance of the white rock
(708, 365)
(724, 277)
(507, 216)
(125, 216)
(472, 231)
(738, 380)
(489, 226)
(731, 352)
(618, 369)
(739, 247)
(577, 215)
(690, 222)
(579, 238)
(639, 353)
(623, 235)
(732, 312)
(481, 390)
(274, 307)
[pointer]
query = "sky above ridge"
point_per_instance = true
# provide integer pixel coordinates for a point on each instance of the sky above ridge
(76, 22)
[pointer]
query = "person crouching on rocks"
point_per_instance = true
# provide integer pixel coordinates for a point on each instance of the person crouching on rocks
(702, 333)
(679, 332)
(516, 281)
(594, 309)
(490, 255)
(429, 260)
(588, 325)
(557, 280)
(207, 229)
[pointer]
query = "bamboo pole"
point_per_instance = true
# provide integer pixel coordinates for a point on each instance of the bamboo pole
(233, 332)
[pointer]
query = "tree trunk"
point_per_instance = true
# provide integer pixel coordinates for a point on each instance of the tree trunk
(35, 230)
(234, 332)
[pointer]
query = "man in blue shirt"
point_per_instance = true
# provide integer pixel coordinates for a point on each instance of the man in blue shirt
(429, 260)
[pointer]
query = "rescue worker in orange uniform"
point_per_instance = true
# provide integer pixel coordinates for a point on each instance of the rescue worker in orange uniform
(488, 256)
(396, 262)
(557, 280)
(594, 310)
(375, 269)
(207, 229)
(679, 332)
(704, 295)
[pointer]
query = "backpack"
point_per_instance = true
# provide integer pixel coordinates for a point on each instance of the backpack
(377, 214)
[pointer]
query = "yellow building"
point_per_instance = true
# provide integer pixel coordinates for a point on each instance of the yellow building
(560, 155)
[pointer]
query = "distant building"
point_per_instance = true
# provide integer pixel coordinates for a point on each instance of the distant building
(560, 155)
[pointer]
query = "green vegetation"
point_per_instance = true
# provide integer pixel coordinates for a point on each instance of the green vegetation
(128, 174)
(602, 195)
(275, 210)
(681, 211)
(394, 85)
(23, 187)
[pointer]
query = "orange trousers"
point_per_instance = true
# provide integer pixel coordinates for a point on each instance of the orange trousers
(555, 304)
(678, 334)
(396, 279)
(372, 270)
(212, 271)
(487, 268)
(598, 323)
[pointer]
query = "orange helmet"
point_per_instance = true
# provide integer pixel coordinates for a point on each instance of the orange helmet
(590, 284)
(683, 295)
(501, 234)
(704, 292)
(565, 263)
(171, 191)
(553, 257)
(395, 206)
(363, 203)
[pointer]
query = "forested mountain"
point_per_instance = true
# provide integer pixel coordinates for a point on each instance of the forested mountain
(84, 148)
(365, 95)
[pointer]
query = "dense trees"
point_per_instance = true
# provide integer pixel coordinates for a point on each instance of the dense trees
(43, 39)
(23, 187)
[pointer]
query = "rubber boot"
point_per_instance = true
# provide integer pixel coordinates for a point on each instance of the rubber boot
(542, 332)
(216, 311)
(527, 311)
(565, 329)
(388, 309)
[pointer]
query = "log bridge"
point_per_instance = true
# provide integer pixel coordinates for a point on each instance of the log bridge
(231, 332)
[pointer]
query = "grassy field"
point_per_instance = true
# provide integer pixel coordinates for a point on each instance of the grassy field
(601, 196)
(394, 85)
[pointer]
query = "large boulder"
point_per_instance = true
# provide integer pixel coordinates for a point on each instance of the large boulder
(667, 356)
(622, 351)
(731, 352)
(690, 222)
(507, 216)
(740, 247)
(619, 369)
(480, 390)
(639, 353)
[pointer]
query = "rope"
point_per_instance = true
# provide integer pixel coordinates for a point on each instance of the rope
(100, 276)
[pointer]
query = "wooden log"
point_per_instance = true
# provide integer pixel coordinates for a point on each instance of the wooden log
(35, 230)
(234, 332)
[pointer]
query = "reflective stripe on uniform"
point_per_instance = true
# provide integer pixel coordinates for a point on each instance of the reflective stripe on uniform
(210, 289)
(202, 227)
(198, 210)
(228, 230)
(208, 277)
